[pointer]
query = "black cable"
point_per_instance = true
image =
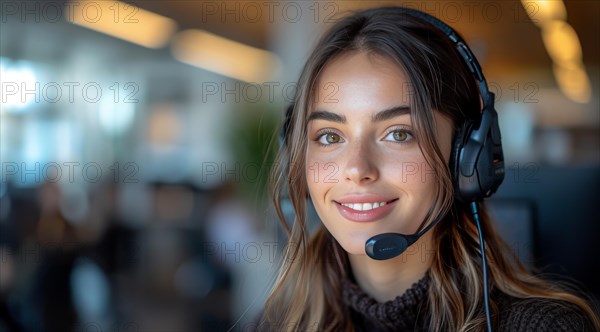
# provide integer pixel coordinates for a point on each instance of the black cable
(486, 300)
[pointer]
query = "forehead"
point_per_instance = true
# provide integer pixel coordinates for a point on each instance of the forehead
(361, 81)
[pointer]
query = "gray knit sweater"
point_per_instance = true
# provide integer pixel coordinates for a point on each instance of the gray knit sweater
(406, 312)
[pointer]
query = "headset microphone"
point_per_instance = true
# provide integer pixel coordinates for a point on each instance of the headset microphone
(389, 245)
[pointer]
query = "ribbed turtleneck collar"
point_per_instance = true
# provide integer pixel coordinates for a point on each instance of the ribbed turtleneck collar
(404, 313)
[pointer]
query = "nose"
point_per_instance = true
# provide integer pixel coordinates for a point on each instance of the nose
(361, 164)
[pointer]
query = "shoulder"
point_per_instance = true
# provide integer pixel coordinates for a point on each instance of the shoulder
(537, 314)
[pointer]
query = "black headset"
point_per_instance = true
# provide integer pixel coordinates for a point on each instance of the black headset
(476, 162)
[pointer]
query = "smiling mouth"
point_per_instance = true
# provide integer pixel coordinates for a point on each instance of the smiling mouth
(365, 206)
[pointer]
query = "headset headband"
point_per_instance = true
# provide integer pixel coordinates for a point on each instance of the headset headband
(462, 48)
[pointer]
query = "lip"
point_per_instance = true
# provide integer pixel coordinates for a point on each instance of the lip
(364, 198)
(365, 216)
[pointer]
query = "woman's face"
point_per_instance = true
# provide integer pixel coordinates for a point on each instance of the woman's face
(366, 174)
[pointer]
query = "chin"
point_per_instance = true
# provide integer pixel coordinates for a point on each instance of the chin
(355, 249)
(354, 245)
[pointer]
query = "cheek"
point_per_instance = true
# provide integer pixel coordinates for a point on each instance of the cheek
(319, 184)
(414, 173)
(411, 174)
(321, 173)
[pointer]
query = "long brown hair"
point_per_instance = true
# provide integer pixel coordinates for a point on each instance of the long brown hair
(307, 292)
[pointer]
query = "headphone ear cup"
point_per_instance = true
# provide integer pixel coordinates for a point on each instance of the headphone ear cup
(461, 136)
(478, 160)
(490, 166)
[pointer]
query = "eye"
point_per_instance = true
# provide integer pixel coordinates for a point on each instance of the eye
(328, 138)
(399, 136)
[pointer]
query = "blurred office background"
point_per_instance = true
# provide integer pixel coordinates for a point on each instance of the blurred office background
(136, 140)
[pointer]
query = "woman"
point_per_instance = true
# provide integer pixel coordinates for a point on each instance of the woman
(369, 142)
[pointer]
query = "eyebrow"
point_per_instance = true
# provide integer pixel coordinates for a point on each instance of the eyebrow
(380, 116)
(390, 113)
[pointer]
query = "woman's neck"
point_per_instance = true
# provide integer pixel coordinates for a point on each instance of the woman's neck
(384, 280)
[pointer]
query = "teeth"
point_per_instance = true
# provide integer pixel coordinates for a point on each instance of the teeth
(364, 206)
